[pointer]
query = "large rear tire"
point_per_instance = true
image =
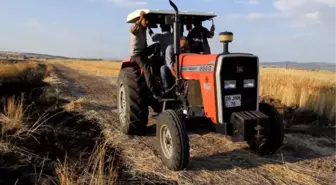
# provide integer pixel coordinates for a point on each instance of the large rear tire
(132, 102)
(276, 135)
(173, 140)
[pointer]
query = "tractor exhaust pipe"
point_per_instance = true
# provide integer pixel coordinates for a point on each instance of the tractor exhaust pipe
(177, 32)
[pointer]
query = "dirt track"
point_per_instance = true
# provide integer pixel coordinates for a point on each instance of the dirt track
(214, 159)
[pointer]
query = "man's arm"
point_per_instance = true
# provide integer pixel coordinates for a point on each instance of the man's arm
(209, 34)
(170, 56)
(135, 28)
(156, 37)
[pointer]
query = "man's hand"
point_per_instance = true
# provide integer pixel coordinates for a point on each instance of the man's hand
(136, 26)
(209, 33)
(150, 31)
(142, 14)
(212, 29)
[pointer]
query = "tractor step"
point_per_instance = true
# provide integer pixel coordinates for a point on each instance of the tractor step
(167, 99)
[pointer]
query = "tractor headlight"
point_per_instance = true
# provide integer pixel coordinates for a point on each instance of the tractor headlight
(229, 84)
(249, 83)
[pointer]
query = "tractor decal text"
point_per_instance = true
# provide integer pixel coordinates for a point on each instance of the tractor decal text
(198, 68)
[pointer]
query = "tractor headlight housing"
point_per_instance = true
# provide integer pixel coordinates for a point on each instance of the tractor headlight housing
(229, 84)
(249, 83)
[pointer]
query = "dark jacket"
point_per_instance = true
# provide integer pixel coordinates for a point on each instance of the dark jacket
(198, 39)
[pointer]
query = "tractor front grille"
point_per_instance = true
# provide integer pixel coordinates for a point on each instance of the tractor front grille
(239, 68)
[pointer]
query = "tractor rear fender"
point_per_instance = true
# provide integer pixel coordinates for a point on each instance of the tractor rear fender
(128, 63)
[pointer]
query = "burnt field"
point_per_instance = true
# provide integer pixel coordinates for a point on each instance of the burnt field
(43, 140)
(58, 126)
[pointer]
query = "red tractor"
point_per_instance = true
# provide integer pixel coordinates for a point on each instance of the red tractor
(219, 89)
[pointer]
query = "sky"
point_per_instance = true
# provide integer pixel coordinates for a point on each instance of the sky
(275, 30)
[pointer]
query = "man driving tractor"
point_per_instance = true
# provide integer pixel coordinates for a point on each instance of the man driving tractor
(197, 41)
(166, 70)
(140, 51)
(165, 38)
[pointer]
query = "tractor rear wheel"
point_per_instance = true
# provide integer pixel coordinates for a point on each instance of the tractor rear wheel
(132, 102)
(276, 135)
(173, 140)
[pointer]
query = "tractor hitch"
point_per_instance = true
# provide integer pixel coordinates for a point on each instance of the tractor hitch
(249, 126)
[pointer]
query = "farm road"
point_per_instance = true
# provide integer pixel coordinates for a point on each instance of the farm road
(214, 159)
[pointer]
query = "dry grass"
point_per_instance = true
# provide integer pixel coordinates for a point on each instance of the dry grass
(74, 105)
(23, 71)
(12, 117)
(222, 159)
(98, 171)
(309, 90)
(8, 70)
(104, 68)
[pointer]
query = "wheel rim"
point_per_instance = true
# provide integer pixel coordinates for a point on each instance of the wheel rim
(166, 141)
(122, 104)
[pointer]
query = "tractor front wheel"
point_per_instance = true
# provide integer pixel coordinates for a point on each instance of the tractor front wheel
(132, 103)
(173, 140)
(276, 128)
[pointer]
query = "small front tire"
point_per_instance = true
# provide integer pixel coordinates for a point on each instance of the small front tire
(173, 140)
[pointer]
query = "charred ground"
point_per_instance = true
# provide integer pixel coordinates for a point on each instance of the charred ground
(50, 143)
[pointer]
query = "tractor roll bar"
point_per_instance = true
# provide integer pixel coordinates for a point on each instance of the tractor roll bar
(176, 40)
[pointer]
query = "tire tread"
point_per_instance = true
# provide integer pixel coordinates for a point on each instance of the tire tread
(137, 108)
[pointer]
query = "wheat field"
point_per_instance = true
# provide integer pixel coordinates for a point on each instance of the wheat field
(101, 68)
(309, 90)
